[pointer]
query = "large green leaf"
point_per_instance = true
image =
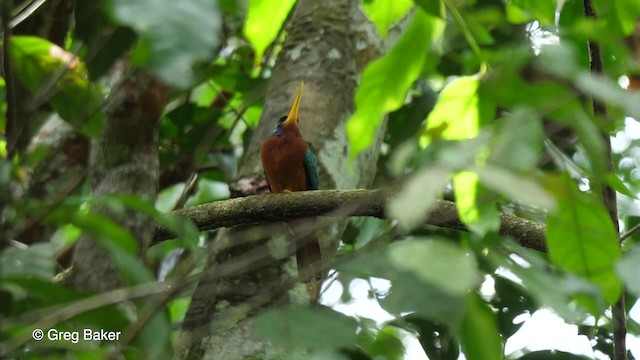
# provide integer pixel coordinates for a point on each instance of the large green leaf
(547, 289)
(57, 76)
(385, 13)
(518, 141)
(479, 335)
(581, 239)
(629, 268)
(410, 294)
(315, 328)
(175, 34)
(412, 204)
(264, 21)
(409, 291)
(438, 262)
(523, 189)
(385, 81)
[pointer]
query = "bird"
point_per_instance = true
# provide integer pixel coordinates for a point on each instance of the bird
(289, 165)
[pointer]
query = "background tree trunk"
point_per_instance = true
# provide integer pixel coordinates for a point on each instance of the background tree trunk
(328, 43)
(125, 161)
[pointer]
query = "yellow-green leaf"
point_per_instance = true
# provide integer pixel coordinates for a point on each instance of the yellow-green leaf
(476, 206)
(57, 76)
(385, 13)
(385, 82)
(458, 112)
(264, 20)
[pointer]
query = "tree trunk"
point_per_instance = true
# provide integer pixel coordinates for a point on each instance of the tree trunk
(124, 161)
(328, 43)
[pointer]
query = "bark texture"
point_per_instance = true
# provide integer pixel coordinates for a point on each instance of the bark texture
(124, 161)
(336, 203)
(327, 45)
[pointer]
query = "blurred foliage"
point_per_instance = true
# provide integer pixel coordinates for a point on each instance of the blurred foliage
(487, 102)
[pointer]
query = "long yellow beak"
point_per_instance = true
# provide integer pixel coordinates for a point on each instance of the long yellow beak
(293, 114)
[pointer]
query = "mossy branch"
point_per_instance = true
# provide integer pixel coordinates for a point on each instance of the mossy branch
(337, 203)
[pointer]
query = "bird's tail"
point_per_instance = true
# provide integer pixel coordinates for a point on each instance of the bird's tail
(310, 269)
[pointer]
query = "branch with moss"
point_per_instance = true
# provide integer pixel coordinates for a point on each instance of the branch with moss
(336, 203)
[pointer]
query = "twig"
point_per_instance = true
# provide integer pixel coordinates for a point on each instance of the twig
(26, 12)
(630, 232)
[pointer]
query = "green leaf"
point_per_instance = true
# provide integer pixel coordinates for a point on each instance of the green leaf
(36, 261)
(184, 230)
(533, 272)
(432, 7)
(459, 112)
(386, 344)
(409, 292)
(619, 186)
(438, 262)
(264, 21)
(540, 10)
(362, 230)
(581, 239)
(385, 13)
(605, 89)
(629, 267)
(479, 335)
(118, 242)
(41, 65)
(105, 42)
(154, 339)
(413, 203)
(476, 206)
(176, 34)
(315, 328)
(518, 141)
(627, 13)
(519, 188)
(385, 81)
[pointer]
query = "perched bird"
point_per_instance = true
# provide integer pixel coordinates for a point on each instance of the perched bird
(289, 165)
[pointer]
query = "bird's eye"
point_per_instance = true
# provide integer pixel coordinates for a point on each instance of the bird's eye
(282, 119)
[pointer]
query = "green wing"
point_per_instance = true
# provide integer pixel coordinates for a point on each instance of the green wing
(311, 167)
